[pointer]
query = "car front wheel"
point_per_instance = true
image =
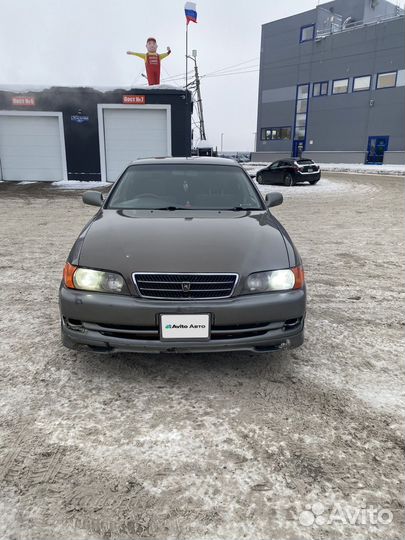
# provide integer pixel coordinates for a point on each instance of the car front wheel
(259, 179)
(288, 179)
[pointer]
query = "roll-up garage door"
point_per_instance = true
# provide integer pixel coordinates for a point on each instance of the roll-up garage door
(31, 148)
(130, 134)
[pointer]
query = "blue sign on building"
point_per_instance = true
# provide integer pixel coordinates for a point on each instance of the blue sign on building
(79, 119)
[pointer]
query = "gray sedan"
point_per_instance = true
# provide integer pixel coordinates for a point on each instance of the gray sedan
(183, 255)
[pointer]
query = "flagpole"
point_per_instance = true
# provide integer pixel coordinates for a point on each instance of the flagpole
(186, 53)
(186, 70)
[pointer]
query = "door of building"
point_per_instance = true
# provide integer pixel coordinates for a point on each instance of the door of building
(298, 148)
(32, 146)
(376, 147)
(132, 132)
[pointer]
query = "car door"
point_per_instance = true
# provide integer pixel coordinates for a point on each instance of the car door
(282, 169)
(272, 173)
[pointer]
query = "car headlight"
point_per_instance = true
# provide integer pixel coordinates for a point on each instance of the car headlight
(276, 280)
(87, 279)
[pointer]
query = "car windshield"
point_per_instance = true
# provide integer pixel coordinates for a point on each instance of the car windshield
(186, 187)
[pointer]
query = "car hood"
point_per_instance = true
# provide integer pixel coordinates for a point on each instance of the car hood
(183, 241)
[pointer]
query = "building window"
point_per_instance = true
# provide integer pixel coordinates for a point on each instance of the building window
(301, 120)
(307, 33)
(302, 106)
(276, 134)
(285, 133)
(361, 83)
(341, 86)
(387, 80)
(301, 109)
(299, 134)
(303, 91)
(320, 89)
(265, 134)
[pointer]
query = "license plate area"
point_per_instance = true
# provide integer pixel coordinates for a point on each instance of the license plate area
(185, 327)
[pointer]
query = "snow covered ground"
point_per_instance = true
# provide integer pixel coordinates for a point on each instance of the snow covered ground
(325, 186)
(353, 168)
(208, 446)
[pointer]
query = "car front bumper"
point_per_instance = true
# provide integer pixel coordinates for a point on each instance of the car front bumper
(117, 323)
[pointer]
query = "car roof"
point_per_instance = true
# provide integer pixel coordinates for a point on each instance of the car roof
(183, 160)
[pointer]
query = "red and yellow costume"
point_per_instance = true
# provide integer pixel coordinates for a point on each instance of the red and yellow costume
(152, 60)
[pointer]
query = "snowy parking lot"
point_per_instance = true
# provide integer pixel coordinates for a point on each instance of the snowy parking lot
(300, 444)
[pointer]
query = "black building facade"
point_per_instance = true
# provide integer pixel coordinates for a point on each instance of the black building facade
(63, 133)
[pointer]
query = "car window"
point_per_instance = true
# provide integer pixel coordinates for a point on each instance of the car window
(305, 161)
(185, 186)
(274, 165)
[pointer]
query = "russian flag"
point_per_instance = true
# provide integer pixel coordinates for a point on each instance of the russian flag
(190, 9)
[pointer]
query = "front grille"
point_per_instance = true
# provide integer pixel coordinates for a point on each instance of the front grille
(185, 286)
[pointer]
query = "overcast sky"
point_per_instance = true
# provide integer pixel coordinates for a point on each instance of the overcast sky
(83, 42)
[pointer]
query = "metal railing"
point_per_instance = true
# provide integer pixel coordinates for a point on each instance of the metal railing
(334, 24)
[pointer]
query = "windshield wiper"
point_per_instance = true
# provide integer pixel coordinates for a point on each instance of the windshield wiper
(234, 209)
(170, 208)
(240, 209)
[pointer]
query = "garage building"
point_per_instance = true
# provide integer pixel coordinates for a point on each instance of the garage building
(63, 133)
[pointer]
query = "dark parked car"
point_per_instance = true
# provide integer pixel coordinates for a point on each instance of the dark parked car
(289, 172)
(183, 255)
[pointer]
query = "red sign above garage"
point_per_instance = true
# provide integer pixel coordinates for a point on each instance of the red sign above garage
(26, 101)
(134, 100)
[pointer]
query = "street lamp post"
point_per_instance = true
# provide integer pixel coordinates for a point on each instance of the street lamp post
(222, 142)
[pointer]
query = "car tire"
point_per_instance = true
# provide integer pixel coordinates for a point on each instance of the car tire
(259, 179)
(289, 180)
(313, 182)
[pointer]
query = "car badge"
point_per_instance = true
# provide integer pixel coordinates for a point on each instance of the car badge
(186, 286)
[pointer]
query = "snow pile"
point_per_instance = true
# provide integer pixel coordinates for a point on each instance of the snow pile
(77, 184)
(361, 168)
(252, 167)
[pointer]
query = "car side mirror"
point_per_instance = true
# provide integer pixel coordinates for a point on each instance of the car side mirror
(274, 199)
(94, 198)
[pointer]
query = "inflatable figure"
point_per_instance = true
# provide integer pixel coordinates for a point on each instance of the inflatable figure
(152, 60)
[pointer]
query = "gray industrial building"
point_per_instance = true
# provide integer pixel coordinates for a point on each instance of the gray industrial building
(332, 84)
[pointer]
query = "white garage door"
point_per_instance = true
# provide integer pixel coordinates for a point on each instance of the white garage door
(130, 134)
(30, 148)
